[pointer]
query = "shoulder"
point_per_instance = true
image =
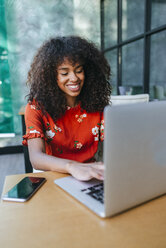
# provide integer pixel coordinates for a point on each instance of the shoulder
(32, 105)
(32, 108)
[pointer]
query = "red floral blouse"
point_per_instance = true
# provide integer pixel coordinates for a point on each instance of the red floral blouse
(75, 136)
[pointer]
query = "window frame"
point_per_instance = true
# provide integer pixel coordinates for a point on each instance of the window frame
(146, 36)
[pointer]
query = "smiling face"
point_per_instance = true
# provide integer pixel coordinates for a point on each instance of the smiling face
(70, 79)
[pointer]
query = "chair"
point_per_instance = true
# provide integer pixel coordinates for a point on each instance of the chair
(128, 99)
(37, 171)
(159, 92)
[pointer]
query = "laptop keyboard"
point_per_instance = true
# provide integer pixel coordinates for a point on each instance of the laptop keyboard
(96, 191)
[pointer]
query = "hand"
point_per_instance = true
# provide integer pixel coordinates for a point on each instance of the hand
(86, 171)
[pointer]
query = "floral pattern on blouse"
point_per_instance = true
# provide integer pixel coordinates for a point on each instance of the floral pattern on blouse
(102, 130)
(33, 106)
(95, 132)
(31, 127)
(80, 117)
(34, 131)
(98, 130)
(74, 136)
(56, 128)
(77, 144)
(59, 150)
(51, 133)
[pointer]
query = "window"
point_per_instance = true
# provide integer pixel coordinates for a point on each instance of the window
(112, 59)
(132, 66)
(132, 18)
(134, 38)
(157, 66)
(110, 23)
(6, 112)
(24, 26)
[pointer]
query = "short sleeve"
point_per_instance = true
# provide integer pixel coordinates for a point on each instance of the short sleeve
(33, 122)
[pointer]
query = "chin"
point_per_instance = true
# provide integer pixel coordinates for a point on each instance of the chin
(74, 94)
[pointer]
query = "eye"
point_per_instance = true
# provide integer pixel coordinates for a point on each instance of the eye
(80, 70)
(64, 73)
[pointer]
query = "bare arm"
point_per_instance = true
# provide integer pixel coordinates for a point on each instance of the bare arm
(41, 161)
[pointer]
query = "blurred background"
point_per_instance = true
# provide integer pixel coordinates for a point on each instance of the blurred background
(132, 35)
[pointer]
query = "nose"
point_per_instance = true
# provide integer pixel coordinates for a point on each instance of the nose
(73, 77)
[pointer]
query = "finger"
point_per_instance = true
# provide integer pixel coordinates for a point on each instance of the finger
(96, 174)
(99, 177)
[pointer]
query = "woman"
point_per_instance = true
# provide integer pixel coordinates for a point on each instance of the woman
(69, 89)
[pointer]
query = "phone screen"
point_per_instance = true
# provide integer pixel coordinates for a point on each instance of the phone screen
(24, 189)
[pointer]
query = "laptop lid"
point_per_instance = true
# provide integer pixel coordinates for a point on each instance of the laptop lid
(134, 154)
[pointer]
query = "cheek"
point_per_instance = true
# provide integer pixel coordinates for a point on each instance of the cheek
(60, 81)
(82, 77)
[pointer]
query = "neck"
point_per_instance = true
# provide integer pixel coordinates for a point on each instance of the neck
(71, 102)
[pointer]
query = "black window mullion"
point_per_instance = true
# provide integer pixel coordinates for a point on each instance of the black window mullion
(138, 37)
(146, 36)
(146, 73)
(119, 48)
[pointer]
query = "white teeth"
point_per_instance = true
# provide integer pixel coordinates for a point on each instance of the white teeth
(73, 86)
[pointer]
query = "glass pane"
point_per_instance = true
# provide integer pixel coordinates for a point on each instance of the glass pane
(158, 13)
(34, 22)
(6, 113)
(132, 18)
(157, 66)
(132, 66)
(111, 56)
(86, 19)
(110, 23)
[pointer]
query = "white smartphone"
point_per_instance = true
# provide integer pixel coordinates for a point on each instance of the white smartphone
(24, 189)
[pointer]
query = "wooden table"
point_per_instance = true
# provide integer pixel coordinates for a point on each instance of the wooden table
(52, 218)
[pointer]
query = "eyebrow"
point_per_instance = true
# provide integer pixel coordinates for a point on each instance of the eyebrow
(66, 68)
(62, 68)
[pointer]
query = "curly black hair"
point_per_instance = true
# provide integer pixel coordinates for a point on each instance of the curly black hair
(42, 76)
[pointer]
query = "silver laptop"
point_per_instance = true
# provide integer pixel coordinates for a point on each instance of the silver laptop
(134, 158)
